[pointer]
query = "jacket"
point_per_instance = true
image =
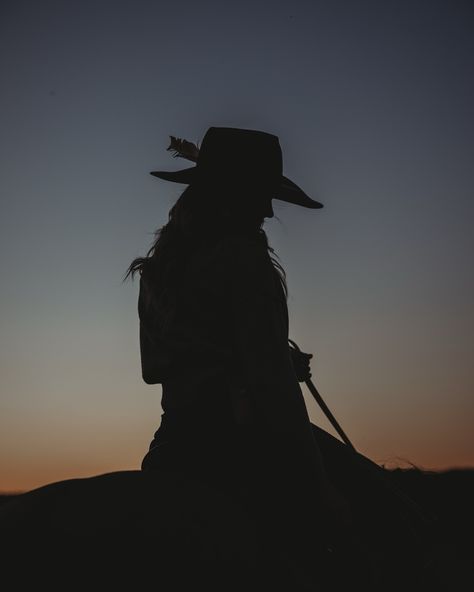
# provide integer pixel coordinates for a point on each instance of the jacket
(232, 326)
(232, 331)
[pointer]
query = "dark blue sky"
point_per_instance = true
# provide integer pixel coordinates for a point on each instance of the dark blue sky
(373, 104)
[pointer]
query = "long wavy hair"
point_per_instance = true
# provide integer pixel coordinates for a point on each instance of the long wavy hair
(201, 216)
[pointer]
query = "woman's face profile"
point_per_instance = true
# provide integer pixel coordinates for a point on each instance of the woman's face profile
(267, 207)
(263, 197)
(255, 201)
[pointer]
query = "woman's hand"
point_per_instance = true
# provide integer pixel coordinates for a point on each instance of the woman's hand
(301, 364)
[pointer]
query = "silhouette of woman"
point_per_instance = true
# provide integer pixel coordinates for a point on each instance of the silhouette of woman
(214, 333)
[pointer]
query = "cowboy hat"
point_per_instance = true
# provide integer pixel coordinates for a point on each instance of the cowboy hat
(241, 154)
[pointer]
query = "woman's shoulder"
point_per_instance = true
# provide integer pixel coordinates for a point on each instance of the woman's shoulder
(234, 259)
(242, 248)
(244, 263)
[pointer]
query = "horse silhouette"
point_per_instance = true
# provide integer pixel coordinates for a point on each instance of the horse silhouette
(128, 526)
(140, 527)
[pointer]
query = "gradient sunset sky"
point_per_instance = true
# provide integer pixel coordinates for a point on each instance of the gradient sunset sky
(373, 103)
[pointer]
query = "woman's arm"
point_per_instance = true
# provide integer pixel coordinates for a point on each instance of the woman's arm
(263, 361)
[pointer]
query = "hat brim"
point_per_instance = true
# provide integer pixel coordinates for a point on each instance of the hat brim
(287, 191)
(290, 192)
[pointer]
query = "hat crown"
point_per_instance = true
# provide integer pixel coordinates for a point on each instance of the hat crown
(250, 153)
